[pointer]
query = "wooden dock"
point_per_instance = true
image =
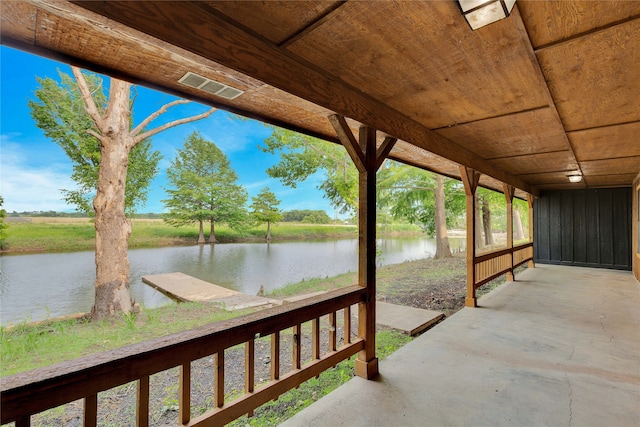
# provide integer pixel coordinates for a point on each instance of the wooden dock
(184, 288)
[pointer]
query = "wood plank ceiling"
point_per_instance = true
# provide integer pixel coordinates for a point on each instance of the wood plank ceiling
(552, 90)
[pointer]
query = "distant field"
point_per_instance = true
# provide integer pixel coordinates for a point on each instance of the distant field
(55, 234)
(58, 220)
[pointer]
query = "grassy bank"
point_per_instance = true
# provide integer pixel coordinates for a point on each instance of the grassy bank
(54, 234)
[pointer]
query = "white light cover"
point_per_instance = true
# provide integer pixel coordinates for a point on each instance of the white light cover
(470, 4)
(485, 15)
(575, 178)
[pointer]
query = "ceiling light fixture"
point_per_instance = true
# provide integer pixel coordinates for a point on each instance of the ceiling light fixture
(479, 13)
(575, 178)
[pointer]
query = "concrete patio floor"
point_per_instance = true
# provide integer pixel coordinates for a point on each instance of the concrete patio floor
(558, 347)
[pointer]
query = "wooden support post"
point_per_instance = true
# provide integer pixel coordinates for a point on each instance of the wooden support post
(530, 199)
(367, 159)
(184, 394)
(470, 179)
(142, 402)
(509, 192)
(24, 421)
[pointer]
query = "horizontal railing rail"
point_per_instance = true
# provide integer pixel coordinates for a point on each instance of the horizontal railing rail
(490, 265)
(32, 392)
(522, 254)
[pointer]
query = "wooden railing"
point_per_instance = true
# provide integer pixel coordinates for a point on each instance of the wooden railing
(32, 392)
(493, 264)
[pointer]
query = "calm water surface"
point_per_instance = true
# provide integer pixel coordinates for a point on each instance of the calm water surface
(34, 287)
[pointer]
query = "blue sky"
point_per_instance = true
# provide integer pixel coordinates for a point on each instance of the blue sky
(33, 168)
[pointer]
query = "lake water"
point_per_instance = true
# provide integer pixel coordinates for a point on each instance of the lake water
(34, 287)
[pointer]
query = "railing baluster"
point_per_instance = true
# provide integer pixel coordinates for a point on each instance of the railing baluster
(297, 341)
(184, 403)
(315, 336)
(218, 380)
(249, 368)
(275, 356)
(347, 325)
(24, 421)
(142, 402)
(332, 331)
(91, 411)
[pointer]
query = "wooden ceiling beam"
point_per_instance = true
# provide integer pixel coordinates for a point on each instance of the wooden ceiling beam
(198, 28)
(585, 34)
(543, 81)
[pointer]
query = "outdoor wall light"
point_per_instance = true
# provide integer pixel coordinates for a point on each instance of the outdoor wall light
(575, 178)
(479, 13)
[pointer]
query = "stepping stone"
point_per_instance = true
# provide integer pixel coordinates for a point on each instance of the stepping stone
(409, 320)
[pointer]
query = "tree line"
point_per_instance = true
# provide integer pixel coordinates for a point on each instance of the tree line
(114, 164)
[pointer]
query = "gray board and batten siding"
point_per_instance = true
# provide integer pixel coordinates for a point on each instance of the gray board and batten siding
(590, 228)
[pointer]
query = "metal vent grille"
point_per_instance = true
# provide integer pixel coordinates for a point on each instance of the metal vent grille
(192, 80)
(230, 93)
(211, 86)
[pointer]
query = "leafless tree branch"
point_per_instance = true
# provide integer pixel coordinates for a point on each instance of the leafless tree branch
(154, 131)
(90, 105)
(157, 114)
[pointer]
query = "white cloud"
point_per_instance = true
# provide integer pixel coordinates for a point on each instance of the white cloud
(25, 187)
(259, 184)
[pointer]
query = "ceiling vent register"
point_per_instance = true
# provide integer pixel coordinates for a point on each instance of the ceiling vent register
(211, 86)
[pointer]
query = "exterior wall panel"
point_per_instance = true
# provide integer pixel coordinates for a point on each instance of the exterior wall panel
(591, 228)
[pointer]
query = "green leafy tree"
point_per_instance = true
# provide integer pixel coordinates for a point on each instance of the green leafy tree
(491, 214)
(306, 216)
(421, 197)
(302, 156)
(60, 112)
(3, 224)
(99, 136)
(264, 209)
(204, 188)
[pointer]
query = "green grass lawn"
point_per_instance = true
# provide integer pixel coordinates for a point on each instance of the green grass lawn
(77, 235)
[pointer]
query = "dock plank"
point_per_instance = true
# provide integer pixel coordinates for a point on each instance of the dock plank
(185, 288)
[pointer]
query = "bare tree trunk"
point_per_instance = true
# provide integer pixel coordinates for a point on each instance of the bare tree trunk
(268, 231)
(442, 240)
(517, 219)
(112, 227)
(212, 233)
(478, 236)
(201, 234)
(486, 222)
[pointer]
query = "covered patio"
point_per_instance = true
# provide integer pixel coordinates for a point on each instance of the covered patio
(560, 346)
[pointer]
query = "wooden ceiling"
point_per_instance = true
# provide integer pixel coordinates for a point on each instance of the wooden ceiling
(552, 90)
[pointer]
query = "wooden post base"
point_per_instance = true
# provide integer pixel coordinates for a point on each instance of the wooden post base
(531, 264)
(367, 370)
(471, 302)
(510, 277)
